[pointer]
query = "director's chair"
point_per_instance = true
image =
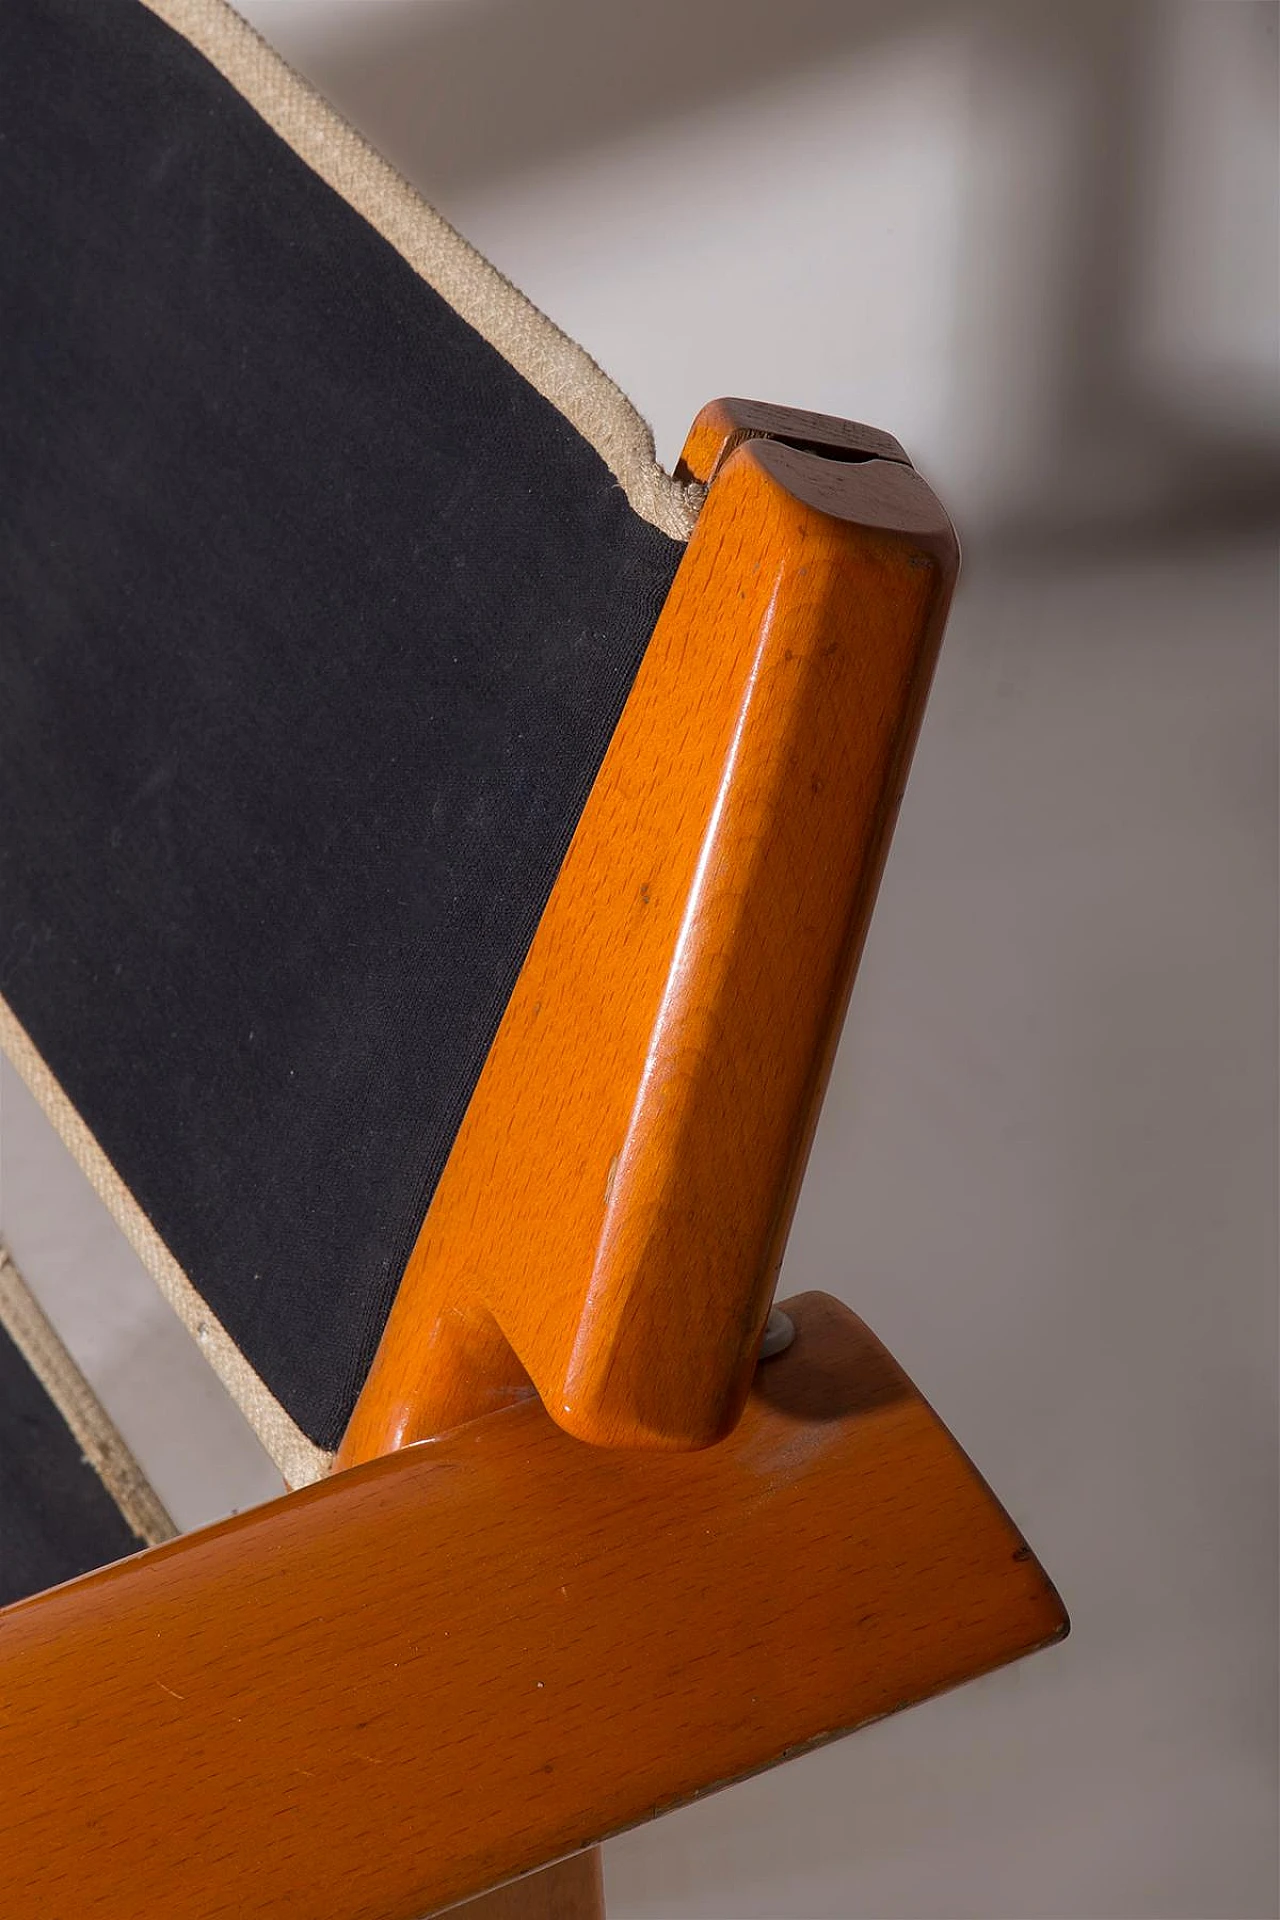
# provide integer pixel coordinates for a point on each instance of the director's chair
(435, 848)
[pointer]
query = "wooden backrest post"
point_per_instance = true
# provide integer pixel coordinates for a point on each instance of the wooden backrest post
(611, 1220)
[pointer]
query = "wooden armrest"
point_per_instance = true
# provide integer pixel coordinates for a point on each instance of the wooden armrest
(612, 1217)
(430, 1674)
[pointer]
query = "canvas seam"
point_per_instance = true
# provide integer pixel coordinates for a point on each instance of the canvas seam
(556, 366)
(87, 1420)
(299, 1459)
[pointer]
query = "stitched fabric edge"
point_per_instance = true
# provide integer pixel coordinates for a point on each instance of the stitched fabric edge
(560, 370)
(299, 1459)
(91, 1426)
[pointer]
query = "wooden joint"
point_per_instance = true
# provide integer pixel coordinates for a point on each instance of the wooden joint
(413, 1681)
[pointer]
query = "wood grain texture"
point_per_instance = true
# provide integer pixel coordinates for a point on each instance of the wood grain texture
(612, 1217)
(417, 1679)
(571, 1889)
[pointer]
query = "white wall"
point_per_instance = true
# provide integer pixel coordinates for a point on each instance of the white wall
(1039, 241)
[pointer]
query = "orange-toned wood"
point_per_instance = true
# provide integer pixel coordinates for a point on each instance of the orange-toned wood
(612, 1217)
(409, 1682)
(571, 1889)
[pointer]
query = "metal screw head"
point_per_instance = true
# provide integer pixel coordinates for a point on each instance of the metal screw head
(778, 1334)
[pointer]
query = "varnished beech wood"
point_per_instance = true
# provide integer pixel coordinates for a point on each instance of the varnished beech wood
(390, 1690)
(612, 1216)
(571, 1889)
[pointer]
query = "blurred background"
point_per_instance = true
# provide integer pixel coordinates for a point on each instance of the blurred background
(1040, 245)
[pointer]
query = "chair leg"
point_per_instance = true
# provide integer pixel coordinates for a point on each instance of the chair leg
(571, 1890)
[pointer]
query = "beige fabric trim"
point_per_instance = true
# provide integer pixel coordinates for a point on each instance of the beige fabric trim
(101, 1443)
(298, 1458)
(552, 363)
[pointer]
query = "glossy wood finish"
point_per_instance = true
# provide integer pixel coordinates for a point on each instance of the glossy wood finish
(571, 1889)
(613, 1214)
(478, 1366)
(387, 1691)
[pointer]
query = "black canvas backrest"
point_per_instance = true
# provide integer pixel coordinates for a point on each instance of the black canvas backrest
(316, 616)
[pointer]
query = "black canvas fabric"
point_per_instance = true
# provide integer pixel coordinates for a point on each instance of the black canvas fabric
(315, 622)
(57, 1520)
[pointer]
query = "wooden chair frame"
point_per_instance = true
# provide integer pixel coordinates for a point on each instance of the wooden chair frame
(464, 1660)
